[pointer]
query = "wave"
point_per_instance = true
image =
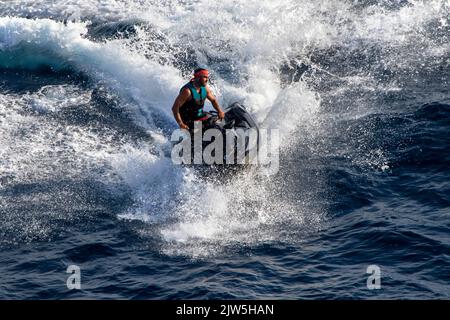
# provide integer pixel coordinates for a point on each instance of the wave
(320, 72)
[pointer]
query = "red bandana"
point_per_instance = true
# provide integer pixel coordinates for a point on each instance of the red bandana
(201, 73)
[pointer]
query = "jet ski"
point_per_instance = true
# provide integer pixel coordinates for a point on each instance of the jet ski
(236, 116)
(239, 126)
(237, 136)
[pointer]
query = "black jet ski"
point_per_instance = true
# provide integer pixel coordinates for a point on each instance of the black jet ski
(236, 116)
(239, 126)
(239, 132)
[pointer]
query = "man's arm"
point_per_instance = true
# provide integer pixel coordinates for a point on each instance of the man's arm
(179, 101)
(214, 103)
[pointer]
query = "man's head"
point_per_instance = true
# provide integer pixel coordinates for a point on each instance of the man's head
(201, 76)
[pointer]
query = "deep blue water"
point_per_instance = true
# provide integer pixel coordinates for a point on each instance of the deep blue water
(364, 162)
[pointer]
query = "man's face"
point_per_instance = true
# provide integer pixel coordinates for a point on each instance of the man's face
(203, 80)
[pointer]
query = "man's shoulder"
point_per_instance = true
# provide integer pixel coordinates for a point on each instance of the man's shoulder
(185, 90)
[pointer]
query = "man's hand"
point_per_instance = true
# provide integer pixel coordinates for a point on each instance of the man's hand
(183, 126)
(213, 100)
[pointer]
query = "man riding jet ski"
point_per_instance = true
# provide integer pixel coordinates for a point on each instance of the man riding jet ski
(236, 125)
(188, 106)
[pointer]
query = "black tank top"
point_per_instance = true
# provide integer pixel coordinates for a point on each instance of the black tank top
(193, 109)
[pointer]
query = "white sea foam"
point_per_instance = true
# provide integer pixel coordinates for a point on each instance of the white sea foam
(251, 40)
